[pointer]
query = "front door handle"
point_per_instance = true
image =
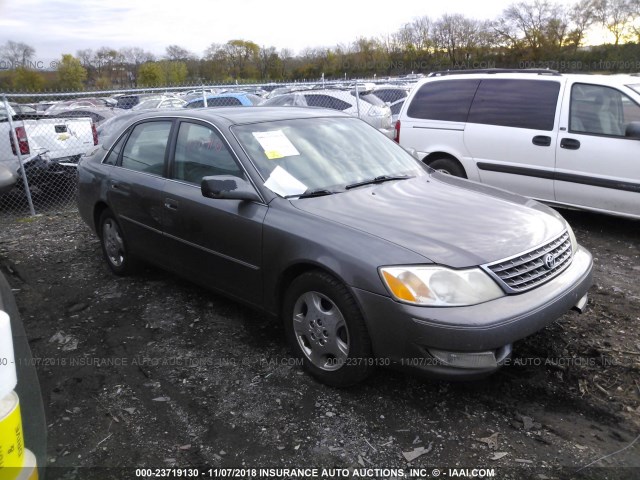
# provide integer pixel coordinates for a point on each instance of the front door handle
(542, 140)
(570, 143)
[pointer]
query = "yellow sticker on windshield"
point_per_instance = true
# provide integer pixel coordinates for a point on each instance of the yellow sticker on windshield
(275, 144)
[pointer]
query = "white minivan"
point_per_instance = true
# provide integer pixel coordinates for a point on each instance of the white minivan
(570, 140)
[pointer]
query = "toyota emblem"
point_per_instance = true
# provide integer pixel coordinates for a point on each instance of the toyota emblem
(549, 261)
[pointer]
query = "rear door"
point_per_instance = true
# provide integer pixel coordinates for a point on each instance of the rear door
(511, 134)
(135, 187)
(217, 243)
(597, 166)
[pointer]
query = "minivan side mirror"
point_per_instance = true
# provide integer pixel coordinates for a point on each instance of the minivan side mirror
(228, 187)
(633, 130)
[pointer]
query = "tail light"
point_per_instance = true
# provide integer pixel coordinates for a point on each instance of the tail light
(94, 131)
(396, 136)
(23, 143)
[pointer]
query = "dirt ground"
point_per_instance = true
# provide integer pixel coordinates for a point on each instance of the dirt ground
(152, 371)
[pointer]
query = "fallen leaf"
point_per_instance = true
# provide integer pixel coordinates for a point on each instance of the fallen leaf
(499, 455)
(417, 452)
(491, 441)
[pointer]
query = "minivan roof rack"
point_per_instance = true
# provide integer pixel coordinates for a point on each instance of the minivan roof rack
(535, 71)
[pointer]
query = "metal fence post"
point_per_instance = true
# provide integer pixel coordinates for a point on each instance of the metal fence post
(204, 96)
(14, 137)
(358, 99)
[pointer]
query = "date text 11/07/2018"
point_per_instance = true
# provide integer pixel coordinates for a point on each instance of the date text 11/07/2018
(304, 473)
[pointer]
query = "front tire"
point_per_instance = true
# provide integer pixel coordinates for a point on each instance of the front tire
(114, 245)
(325, 328)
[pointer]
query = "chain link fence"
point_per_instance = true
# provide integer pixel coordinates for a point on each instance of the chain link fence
(42, 136)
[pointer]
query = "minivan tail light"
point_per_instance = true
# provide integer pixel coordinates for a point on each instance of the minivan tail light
(23, 143)
(94, 131)
(396, 136)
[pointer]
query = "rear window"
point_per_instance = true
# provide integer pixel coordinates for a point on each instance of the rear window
(516, 103)
(447, 100)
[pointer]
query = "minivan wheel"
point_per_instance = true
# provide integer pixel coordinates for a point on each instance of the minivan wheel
(114, 245)
(448, 166)
(326, 330)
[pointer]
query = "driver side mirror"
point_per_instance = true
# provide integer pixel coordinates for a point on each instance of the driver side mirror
(228, 187)
(633, 130)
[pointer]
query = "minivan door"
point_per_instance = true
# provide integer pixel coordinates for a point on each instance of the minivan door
(511, 134)
(598, 167)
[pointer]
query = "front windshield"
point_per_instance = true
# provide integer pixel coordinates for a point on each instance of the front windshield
(300, 155)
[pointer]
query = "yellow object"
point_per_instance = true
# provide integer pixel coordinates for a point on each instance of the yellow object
(11, 439)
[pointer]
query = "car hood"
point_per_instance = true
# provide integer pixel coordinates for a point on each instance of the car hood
(449, 221)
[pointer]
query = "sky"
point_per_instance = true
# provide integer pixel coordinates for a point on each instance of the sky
(54, 27)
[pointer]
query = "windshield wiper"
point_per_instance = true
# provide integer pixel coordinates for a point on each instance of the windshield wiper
(379, 179)
(318, 192)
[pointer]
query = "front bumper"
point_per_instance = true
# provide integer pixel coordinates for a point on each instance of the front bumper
(403, 334)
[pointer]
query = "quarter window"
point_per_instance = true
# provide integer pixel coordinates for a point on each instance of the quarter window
(200, 152)
(146, 147)
(516, 103)
(600, 110)
(325, 101)
(112, 158)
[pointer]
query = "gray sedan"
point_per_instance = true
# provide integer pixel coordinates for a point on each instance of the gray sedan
(367, 256)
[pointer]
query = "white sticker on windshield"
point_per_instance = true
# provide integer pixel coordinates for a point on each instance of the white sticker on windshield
(284, 184)
(275, 144)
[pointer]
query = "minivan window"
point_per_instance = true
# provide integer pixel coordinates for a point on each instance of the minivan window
(600, 110)
(447, 100)
(516, 103)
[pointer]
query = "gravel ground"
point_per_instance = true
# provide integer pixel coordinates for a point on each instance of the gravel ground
(152, 371)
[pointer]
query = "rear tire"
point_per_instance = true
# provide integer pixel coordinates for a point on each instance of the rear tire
(325, 329)
(114, 245)
(448, 166)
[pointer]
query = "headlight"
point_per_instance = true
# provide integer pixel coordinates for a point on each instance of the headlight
(439, 286)
(574, 242)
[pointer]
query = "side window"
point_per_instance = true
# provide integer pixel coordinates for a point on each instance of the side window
(196, 104)
(600, 110)
(146, 146)
(282, 101)
(516, 103)
(326, 101)
(447, 100)
(223, 102)
(112, 158)
(200, 152)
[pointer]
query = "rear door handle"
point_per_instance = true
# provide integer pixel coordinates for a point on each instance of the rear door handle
(570, 143)
(542, 140)
(171, 204)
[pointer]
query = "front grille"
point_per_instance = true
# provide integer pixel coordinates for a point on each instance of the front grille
(528, 270)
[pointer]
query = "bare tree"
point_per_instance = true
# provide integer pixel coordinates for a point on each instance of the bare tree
(177, 53)
(616, 16)
(456, 35)
(17, 54)
(581, 17)
(532, 24)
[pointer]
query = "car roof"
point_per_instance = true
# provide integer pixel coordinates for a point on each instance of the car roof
(612, 80)
(235, 115)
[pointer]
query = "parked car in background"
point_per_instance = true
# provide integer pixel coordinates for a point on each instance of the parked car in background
(128, 101)
(96, 114)
(569, 140)
(367, 256)
(370, 109)
(81, 103)
(49, 147)
(160, 103)
(226, 100)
